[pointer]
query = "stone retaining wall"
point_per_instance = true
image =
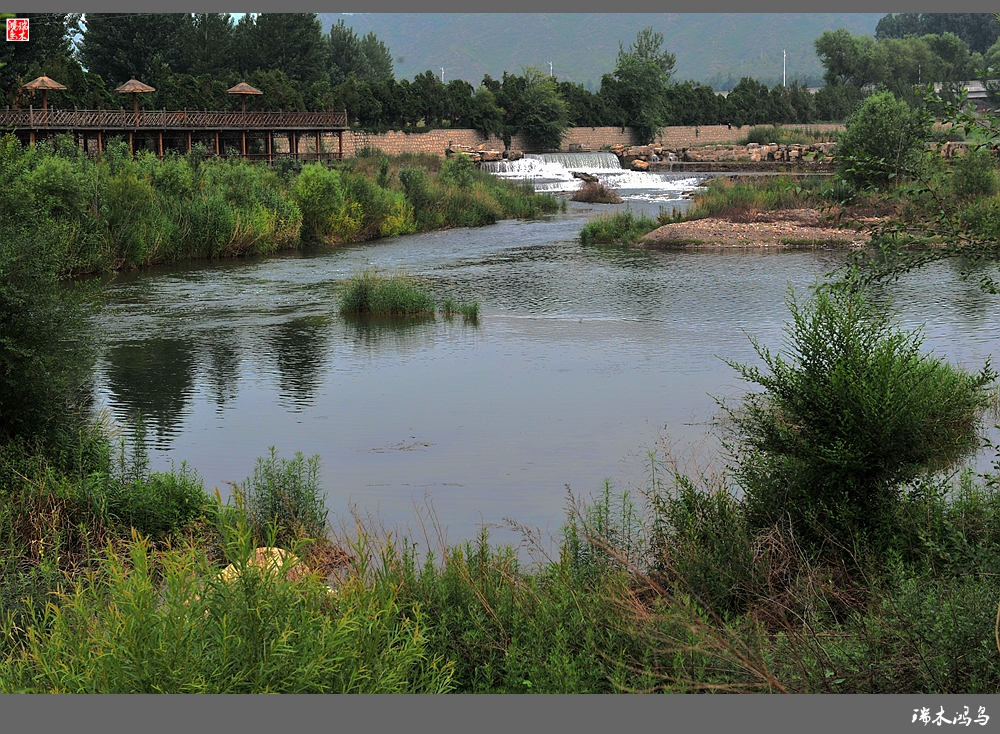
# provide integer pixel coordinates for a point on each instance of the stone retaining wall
(588, 138)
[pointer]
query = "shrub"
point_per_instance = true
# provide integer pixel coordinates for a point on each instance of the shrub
(167, 623)
(286, 494)
(983, 218)
(320, 197)
(975, 174)
(881, 141)
(159, 503)
(470, 207)
(855, 414)
(741, 199)
(458, 171)
(416, 185)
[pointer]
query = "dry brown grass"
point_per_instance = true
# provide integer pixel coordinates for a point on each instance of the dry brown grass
(596, 193)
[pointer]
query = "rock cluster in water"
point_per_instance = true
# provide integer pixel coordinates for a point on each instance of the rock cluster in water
(481, 155)
(639, 157)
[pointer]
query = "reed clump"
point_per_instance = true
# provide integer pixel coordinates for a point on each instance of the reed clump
(469, 310)
(377, 294)
(620, 228)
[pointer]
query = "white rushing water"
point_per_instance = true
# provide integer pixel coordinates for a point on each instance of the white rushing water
(553, 172)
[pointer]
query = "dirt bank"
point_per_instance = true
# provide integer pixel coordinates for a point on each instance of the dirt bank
(784, 228)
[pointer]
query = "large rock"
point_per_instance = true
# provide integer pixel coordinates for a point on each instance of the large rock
(270, 560)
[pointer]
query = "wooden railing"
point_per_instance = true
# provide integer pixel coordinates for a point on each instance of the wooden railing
(165, 119)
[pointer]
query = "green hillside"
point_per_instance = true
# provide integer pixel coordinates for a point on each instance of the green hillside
(709, 47)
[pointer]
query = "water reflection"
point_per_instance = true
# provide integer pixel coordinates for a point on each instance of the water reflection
(154, 377)
(223, 366)
(397, 333)
(299, 348)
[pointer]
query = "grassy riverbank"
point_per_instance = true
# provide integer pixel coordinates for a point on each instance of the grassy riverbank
(119, 212)
(796, 570)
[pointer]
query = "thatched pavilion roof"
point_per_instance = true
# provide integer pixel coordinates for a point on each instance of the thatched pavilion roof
(44, 83)
(243, 88)
(134, 86)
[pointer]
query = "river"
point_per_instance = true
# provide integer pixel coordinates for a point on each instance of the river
(583, 360)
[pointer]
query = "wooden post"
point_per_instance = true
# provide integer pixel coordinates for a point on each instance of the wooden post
(319, 146)
(218, 151)
(270, 146)
(100, 142)
(293, 146)
(340, 142)
(189, 141)
(161, 144)
(244, 141)
(131, 150)
(32, 136)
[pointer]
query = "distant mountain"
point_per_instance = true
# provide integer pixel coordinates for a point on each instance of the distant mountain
(710, 48)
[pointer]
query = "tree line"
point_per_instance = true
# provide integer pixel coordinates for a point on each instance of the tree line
(191, 59)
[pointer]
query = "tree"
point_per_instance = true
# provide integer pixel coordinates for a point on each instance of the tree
(543, 115)
(638, 83)
(584, 108)
(367, 58)
(881, 141)
(749, 103)
(976, 29)
(49, 42)
(207, 45)
(290, 42)
(120, 46)
(847, 59)
(429, 96)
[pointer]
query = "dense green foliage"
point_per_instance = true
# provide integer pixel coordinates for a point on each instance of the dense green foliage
(881, 141)
(115, 211)
(849, 417)
(979, 30)
(44, 341)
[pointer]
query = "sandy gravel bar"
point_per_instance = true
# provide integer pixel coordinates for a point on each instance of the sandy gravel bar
(784, 228)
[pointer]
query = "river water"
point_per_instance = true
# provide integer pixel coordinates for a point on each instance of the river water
(583, 359)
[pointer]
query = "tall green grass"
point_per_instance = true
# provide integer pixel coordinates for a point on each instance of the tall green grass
(764, 134)
(373, 293)
(620, 228)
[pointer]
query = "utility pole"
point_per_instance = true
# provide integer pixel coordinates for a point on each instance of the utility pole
(442, 74)
(783, 67)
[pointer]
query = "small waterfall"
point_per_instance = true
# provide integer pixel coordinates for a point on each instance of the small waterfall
(547, 165)
(553, 172)
(598, 161)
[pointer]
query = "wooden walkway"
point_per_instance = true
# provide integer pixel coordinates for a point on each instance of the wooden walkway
(180, 130)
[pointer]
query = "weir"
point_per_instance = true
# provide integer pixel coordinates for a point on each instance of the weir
(539, 164)
(600, 160)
